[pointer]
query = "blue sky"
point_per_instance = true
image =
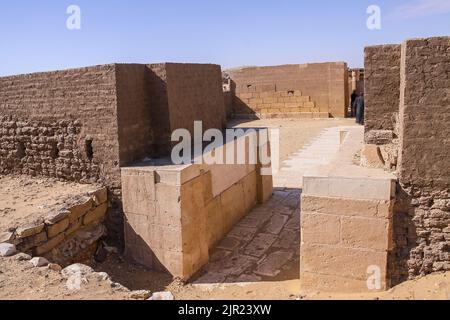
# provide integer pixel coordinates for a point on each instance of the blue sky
(231, 33)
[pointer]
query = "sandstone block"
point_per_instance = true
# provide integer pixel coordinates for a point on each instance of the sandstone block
(49, 245)
(80, 209)
(96, 214)
(340, 261)
(320, 228)
(100, 196)
(347, 207)
(310, 281)
(366, 233)
(57, 228)
(371, 156)
(30, 229)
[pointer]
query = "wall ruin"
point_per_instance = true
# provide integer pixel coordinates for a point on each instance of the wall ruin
(408, 108)
(323, 87)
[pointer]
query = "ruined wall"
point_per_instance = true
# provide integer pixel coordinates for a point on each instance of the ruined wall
(325, 83)
(382, 87)
(60, 124)
(424, 164)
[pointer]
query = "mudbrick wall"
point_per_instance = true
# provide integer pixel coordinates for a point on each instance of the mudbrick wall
(382, 86)
(325, 83)
(382, 97)
(424, 163)
(84, 124)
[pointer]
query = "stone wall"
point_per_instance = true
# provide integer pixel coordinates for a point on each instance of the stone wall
(67, 234)
(382, 87)
(325, 83)
(424, 163)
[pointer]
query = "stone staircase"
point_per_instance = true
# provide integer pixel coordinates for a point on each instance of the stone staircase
(319, 151)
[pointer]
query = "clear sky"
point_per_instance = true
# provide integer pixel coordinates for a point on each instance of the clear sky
(34, 36)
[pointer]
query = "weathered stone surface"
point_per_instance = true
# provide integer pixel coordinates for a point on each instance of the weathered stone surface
(276, 224)
(30, 229)
(162, 296)
(57, 228)
(38, 262)
(100, 196)
(7, 250)
(49, 245)
(379, 137)
(23, 257)
(55, 217)
(320, 228)
(271, 266)
(347, 207)
(371, 156)
(96, 214)
(366, 233)
(140, 294)
(6, 237)
(75, 269)
(54, 267)
(260, 244)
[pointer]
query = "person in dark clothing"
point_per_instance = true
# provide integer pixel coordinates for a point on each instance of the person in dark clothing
(359, 106)
(352, 105)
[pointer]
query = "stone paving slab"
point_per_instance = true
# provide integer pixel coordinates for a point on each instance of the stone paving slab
(262, 246)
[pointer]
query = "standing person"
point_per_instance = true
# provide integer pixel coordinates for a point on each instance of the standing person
(352, 105)
(359, 105)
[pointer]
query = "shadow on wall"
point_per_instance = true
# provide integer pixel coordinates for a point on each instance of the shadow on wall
(404, 237)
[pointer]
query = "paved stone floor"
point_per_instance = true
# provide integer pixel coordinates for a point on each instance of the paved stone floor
(265, 245)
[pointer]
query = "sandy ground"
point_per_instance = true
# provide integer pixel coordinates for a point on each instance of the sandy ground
(24, 199)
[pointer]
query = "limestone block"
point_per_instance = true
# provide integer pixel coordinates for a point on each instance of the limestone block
(320, 228)
(233, 206)
(49, 245)
(80, 209)
(310, 281)
(341, 261)
(57, 228)
(371, 156)
(138, 191)
(100, 196)
(366, 233)
(347, 207)
(96, 214)
(32, 241)
(249, 185)
(30, 229)
(55, 217)
(264, 187)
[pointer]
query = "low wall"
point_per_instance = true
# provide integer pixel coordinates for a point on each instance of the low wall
(67, 234)
(346, 224)
(325, 83)
(176, 213)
